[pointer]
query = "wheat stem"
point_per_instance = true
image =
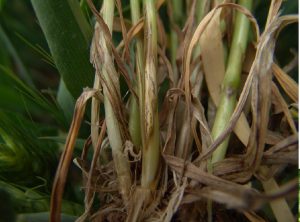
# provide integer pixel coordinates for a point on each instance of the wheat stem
(151, 152)
(136, 106)
(231, 80)
(111, 81)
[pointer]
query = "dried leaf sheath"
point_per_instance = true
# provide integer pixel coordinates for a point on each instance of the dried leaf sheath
(109, 78)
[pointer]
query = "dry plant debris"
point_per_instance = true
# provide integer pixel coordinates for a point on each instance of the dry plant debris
(165, 174)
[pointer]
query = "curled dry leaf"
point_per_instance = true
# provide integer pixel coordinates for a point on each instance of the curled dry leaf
(66, 157)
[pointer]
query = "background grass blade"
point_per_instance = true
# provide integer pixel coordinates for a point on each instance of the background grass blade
(68, 35)
(35, 96)
(27, 200)
(4, 39)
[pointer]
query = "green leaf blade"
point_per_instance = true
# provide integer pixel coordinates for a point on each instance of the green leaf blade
(68, 41)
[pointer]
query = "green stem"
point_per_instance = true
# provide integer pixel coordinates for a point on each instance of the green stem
(201, 9)
(177, 18)
(231, 80)
(151, 152)
(134, 123)
(114, 133)
(135, 109)
(177, 11)
(108, 15)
